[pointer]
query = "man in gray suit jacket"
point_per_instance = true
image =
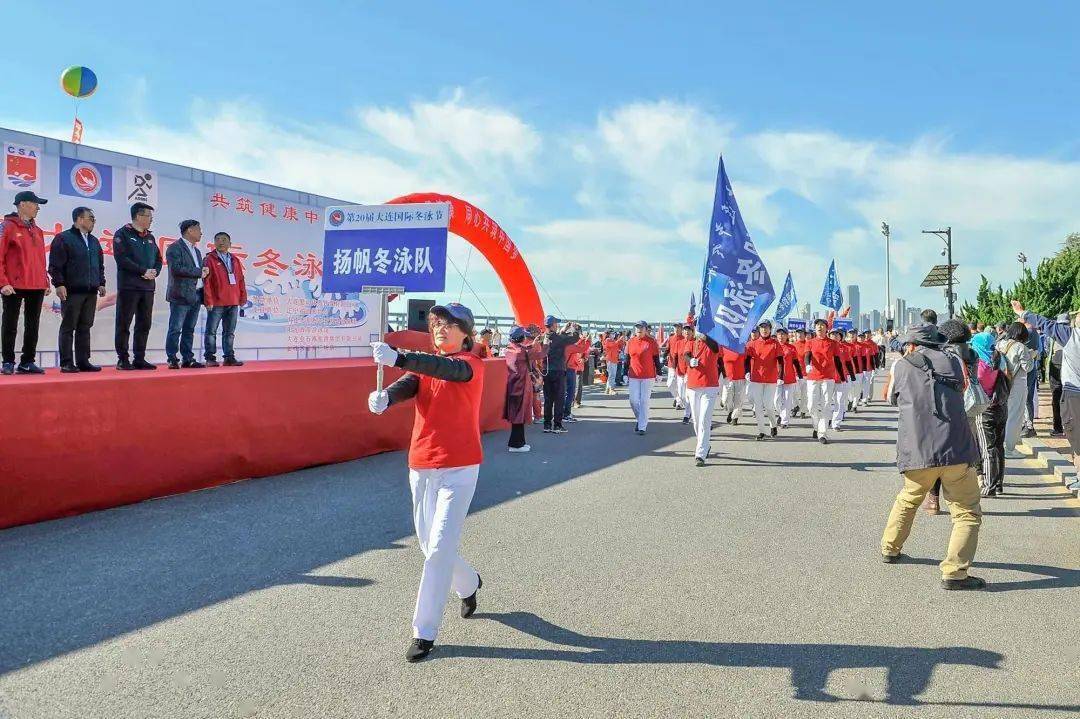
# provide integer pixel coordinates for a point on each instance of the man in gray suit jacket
(184, 295)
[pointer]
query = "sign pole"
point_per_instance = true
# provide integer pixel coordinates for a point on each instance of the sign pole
(384, 292)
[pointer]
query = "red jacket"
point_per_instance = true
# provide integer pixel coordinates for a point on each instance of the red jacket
(575, 355)
(22, 255)
(707, 372)
(644, 355)
(823, 356)
(734, 365)
(217, 292)
(792, 363)
(765, 354)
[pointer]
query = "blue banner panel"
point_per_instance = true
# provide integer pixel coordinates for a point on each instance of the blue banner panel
(413, 258)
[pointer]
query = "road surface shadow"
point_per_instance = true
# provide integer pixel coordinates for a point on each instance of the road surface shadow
(1048, 513)
(1052, 577)
(75, 582)
(908, 669)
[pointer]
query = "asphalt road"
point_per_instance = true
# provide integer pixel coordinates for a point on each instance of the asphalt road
(619, 580)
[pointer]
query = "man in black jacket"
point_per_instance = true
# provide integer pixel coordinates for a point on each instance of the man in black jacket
(138, 263)
(185, 294)
(77, 271)
(555, 373)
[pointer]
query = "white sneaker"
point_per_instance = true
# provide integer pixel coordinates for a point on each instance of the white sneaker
(522, 448)
(1015, 455)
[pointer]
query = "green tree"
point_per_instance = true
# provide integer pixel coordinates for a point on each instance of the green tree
(1053, 288)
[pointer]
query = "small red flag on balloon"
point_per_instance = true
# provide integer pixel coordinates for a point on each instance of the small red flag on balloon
(76, 131)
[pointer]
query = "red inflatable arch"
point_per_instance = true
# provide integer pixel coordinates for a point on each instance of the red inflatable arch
(473, 225)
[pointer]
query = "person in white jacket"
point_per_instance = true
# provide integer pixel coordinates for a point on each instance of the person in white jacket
(1018, 362)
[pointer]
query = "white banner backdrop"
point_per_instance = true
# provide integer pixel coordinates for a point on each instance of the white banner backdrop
(276, 233)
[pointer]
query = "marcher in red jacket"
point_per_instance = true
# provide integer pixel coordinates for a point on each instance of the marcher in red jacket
(785, 389)
(575, 365)
(702, 356)
(764, 362)
(224, 293)
(23, 283)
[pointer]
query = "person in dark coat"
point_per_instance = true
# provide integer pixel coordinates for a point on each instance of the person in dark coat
(520, 357)
(77, 271)
(138, 263)
(185, 295)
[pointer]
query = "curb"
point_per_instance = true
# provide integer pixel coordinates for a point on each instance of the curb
(1058, 464)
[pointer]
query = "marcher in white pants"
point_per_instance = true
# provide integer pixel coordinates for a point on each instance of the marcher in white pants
(703, 386)
(674, 347)
(822, 368)
(765, 357)
(612, 346)
(839, 404)
(1019, 362)
(792, 375)
(644, 355)
(686, 342)
(846, 382)
(444, 460)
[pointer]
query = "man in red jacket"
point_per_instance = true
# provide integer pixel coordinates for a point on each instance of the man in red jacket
(702, 356)
(686, 339)
(644, 356)
(785, 388)
(735, 388)
(765, 363)
(224, 293)
(674, 346)
(800, 400)
(823, 367)
(23, 283)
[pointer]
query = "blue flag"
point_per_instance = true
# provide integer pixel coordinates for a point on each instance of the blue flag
(787, 301)
(831, 295)
(735, 286)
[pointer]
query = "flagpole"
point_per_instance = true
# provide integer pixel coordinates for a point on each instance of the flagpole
(888, 287)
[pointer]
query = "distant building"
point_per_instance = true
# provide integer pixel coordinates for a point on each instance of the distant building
(875, 320)
(807, 313)
(864, 322)
(854, 302)
(899, 313)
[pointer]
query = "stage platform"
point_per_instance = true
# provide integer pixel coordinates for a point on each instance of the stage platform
(76, 443)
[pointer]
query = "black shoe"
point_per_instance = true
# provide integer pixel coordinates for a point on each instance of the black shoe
(815, 434)
(418, 649)
(29, 368)
(1028, 433)
(143, 364)
(7, 368)
(124, 365)
(774, 431)
(211, 362)
(174, 364)
(69, 369)
(87, 367)
(699, 462)
(559, 430)
(823, 439)
(892, 558)
(193, 364)
(729, 417)
(233, 362)
(468, 604)
(760, 437)
(735, 420)
(674, 404)
(641, 432)
(686, 420)
(547, 430)
(1057, 435)
(965, 583)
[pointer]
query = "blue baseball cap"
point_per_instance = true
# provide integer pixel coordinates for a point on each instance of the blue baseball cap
(457, 312)
(517, 334)
(550, 320)
(641, 323)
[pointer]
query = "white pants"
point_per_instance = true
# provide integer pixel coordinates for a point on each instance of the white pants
(735, 396)
(441, 499)
(819, 402)
(701, 403)
(763, 397)
(673, 387)
(722, 392)
(612, 370)
(800, 395)
(868, 386)
(785, 396)
(684, 395)
(841, 390)
(640, 391)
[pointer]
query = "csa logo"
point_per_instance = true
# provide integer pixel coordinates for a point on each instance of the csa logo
(21, 165)
(85, 179)
(336, 217)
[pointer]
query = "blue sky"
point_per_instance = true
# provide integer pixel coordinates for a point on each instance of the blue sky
(591, 130)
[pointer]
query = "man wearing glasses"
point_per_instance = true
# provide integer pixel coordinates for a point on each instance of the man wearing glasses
(78, 274)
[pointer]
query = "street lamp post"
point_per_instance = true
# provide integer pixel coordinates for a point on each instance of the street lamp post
(946, 236)
(1022, 259)
(888, 285)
